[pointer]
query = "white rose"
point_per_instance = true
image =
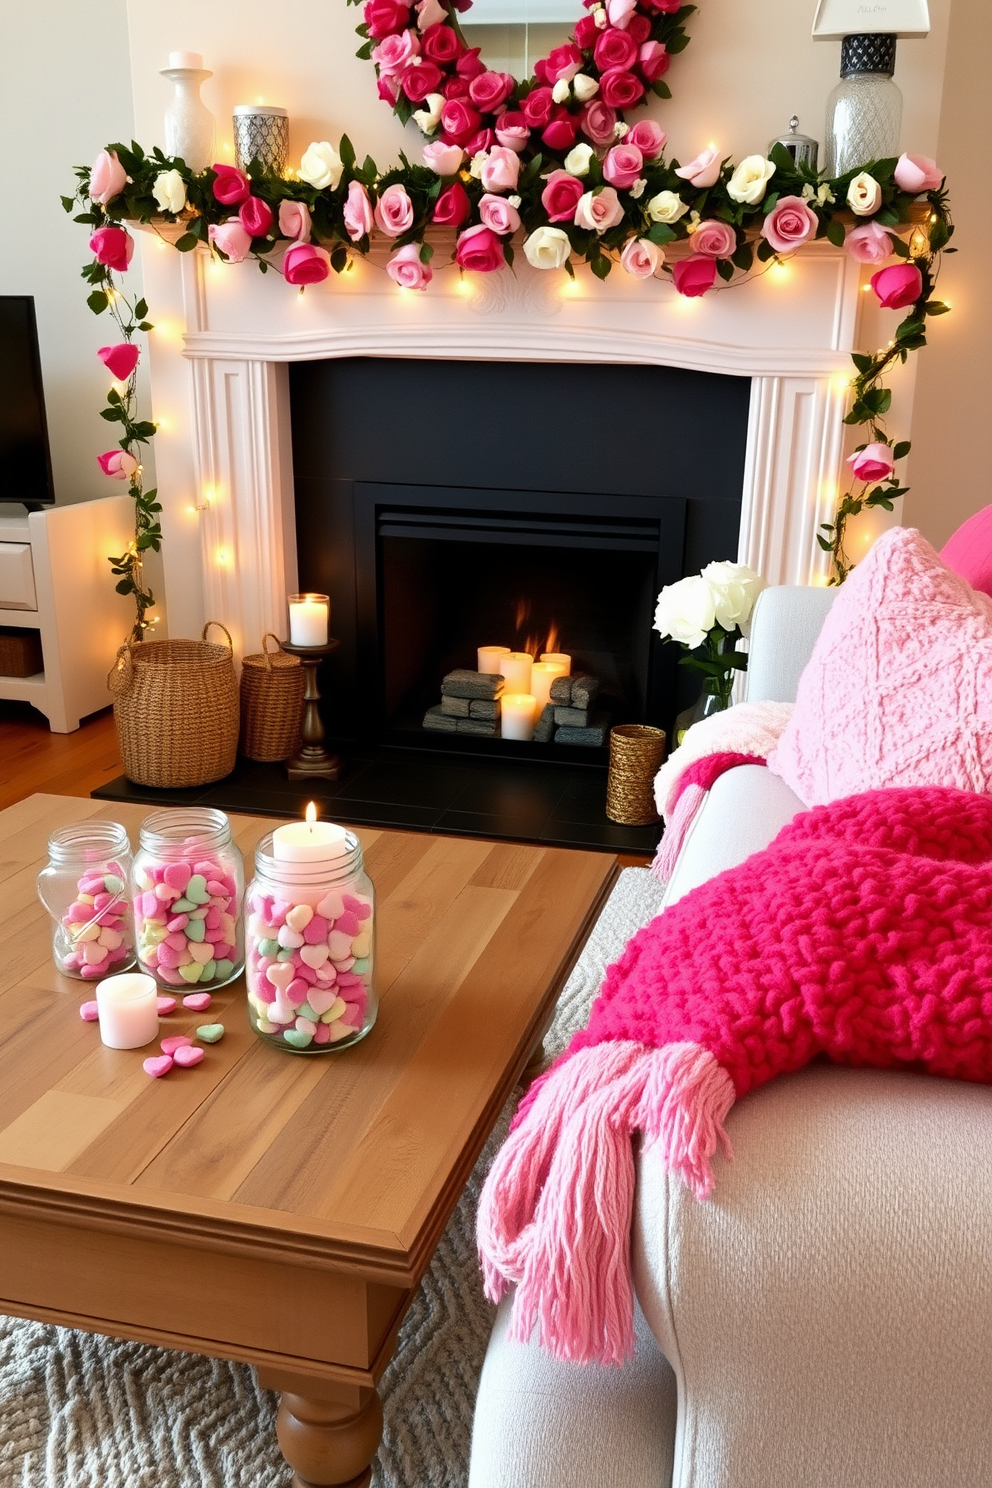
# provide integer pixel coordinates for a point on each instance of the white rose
(734, 588)
(429, 117)
(750, 180)
(666, 207)
(547, 248)
(864, 195)
(476, 164)
(562, 91)
(584, 87)
(637, 189)
(686, 611)
(577, 160)
(321, 166)
(169, 191)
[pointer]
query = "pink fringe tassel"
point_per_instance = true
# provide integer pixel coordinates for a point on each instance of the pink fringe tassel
(555, 1212)
(676, 831)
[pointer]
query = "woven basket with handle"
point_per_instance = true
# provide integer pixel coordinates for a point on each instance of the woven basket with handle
(176, 710)
(271, 703)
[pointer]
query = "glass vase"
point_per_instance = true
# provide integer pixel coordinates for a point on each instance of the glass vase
(705, 706)
(85, 888)
(864, 112)
(189, 124)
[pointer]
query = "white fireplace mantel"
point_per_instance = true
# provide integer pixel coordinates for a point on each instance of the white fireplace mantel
(221, 387)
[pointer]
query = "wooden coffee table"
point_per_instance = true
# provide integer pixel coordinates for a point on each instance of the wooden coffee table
(266, 1207)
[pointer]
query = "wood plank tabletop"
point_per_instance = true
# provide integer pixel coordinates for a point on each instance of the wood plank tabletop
(353, 1159)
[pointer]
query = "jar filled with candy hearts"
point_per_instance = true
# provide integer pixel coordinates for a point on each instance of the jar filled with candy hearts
(310, 940)
(188, 885)
(85, 888)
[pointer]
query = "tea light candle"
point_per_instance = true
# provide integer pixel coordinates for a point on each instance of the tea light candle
(127, 1009)
(309, 841)
(490, 658)
(519, 715)
(308, 619)
(516, 667)
(559, 656)
(542, 674)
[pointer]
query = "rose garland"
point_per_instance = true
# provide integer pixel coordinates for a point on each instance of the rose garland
(553, 159)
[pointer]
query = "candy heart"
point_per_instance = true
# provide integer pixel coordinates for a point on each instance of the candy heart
(182, 906)
(209, 971)
(361, 945)
(331, 905)
(339, 945)
(280, 974)
(92, 953)
(191, 972)
(360, 908)
(362, 967)
(177, 876)
(210, 1033)
(347, 924)
(177, 923)
(316, 930)
(177, 1041)
(297, 1039)
(198, 1002)
(296, 992)
(268, 947)
(335, 1011)
(314, 955)
(202, 953)
(224, 970)
(299, 917)
(165, 893)
(160, 1065)
(164, 1006)
(195, 930)
(306, 1025)
(281, 1012)
(340, 1030)
(288, 937)
(323, 1034)
(111, 939)
(264, 1026)
(89, 932)
(286, 954)
(113, 884)
(306, 1010)
(197, 889)
(322, 998)
(187, 1056)
(89, 1012)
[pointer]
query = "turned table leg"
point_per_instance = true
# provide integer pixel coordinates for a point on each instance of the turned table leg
(329, 1439)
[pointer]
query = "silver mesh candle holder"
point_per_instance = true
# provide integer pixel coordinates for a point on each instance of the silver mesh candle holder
(261, 133)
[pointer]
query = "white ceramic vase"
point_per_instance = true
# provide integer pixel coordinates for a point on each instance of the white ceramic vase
(189, 124)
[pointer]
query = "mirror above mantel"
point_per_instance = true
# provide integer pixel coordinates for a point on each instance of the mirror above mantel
(514, 34)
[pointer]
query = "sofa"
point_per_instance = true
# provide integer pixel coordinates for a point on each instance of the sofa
(824, 1320)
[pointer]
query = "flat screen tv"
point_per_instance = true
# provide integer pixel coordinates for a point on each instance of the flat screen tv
(25, 462)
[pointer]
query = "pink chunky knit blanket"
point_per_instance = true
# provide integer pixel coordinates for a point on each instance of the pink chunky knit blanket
(863, 933)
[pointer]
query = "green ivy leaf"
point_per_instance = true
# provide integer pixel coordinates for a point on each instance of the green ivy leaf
(426, 252)
(97, 301)
(339, 260)
(901, 450)
(725, 269)
(824, 544)
(347, 153)
(600, 265)
(187, 242)
(835, 233)
(140, 309)
(743, 258)
(936, 307)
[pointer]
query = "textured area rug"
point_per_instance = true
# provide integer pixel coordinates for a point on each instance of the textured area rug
(80, 1411)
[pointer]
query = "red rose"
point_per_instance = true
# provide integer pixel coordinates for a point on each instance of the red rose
(459, 120)
(304, 263)
(619, 89)
(480, 249)
(599, 122)
(653, 61)
(113, 248)
(560, 134)
(417, 82)
(564, 62)
(388, 88)
(383, 17)
(456, 87)
(560, 196)
(586, 32)
(490, 89)
(469, 65)
(614, 49)
(541, 71)
(537, 107)
(440, 44)
(452, 207)
(694, 276)
(898, 286)
(638, 29)
(256, 217)
(480, 143)
(230, 186)
(667, 6)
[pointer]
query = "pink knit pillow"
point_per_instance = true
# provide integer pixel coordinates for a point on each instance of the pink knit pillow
(898, 690)
(968, 552)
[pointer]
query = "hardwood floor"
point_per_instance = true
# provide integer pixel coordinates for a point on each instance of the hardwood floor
(32, 758)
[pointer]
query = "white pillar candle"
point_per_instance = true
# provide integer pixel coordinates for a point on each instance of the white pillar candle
(309, 841)
(542, 674)
(191, 60)
(308, 618)
(560, 656)
(127, 1006)
(519, 715)
(515, 667)
(490, 658)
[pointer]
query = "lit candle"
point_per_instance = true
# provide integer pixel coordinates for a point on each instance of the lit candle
(515, 666)
(542, 674)
(519, 715)
(128, 1010)
(308, 617)
(309, 841)
(490, 658)
(560, 656)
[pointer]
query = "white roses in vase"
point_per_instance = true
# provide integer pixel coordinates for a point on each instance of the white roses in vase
(705, 612)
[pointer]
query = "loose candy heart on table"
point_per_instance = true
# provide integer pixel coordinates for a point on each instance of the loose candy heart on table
(211, 1033)
(198, 1002)
(178, 1041)
(158, 1065)
(188, 1056)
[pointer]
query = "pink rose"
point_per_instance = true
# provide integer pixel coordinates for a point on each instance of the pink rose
(120, 360)
(619, 12)
(419, 82)
(693, 276)
(497, 213)
(294, 220)
(445, 159)
(230, 186)
(614, 49)
(388, 89)
(394, 53)
(648, 137)
(642, 258)
(560, 134)
(714, 239)
(620, 89)
(113, 247)
(873, 463)
(107, 177)
(789, 224)
(898, 286)
(653, 61)
(869, 243)
(561, 196)
(256, 217)
(357, 212)
(622, 166)
(430, 13)
(479, 248)
(667, 6)
(599, 122)
(913, 173)
(118, 464)
(500, 169)
(452, 207)
(512, 130)
(441, 45)
(459, 121)
(480, 143)
(383, 17)
(599, 210)
(233, 240)
(639, 29)
(470, 64)
(490, 89)
(704, 170)
(562, 64)
(537, 106)
(306, 264)
(394, 211)
(407, 270)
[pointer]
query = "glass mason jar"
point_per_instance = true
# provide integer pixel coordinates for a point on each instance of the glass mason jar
(864, 112)
(188, 884)
(85, 889)
(311, 950)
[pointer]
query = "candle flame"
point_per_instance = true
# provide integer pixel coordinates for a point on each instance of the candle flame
(311, 813)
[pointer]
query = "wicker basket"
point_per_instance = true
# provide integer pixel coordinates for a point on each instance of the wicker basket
(176, 710)
(271, 703)
(636, 752)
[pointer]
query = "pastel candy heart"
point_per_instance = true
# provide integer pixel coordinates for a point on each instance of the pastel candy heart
(151, 907)
(191, 972)
(288, 937)
(287, 953)
(323, 1034)
(168, 956)
(177, 1041)
(177, 923)
(297, 1039)
(327, 973)
(281, 1012)
(335, 1011)
(362, 968)
(280, 974)
(360, 908)
(331, 905)
(177, 876)
(306, 1025)
(210, 1033)
(297, 991)
(224, 970)
(92, 953)
(207, 869)
(182, 906)
(171, 976)
(212, 919)
(89, 932)
(91, 883)
(164, 893)
(339, 945)
(340, 1030)
(264, 1026)
(187, 1056)
(306, 975)
(322, 998)
(361, 945)
(202, 953)
(268, 947)
(316, 930)
(209, 971)
(299, 917)
(111, 939)
(314, 955)
(113, 884)
(195, 930)
(198, 1002)
(309, 1012)
(197, 889)
(89, 1012)
(158, 1066)
(347, 924)
(164, 1006)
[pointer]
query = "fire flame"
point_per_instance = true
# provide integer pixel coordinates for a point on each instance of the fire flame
(311, 813)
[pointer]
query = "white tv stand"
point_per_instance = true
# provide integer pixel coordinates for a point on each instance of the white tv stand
(64, 589)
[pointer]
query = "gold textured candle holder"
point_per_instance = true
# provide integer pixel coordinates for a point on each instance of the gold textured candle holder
(636, 753)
